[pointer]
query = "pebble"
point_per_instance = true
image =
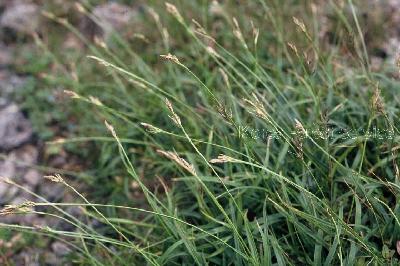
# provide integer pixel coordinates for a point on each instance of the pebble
(21, 17)
(15, 129)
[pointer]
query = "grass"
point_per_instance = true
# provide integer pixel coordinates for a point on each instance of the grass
(231, 148)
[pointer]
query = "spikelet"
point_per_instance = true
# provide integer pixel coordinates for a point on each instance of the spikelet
(55, 178)
(95, 101)
(171, 57)
(256, 33)
(300, 24)
(238, 33)
(212, 51)
(258, 107)
(175, 118)
(12, 209)
(174, 11)
(377, 102)
(151, 129)
(294, 48)
(80, 8)
(223, 159)
(72, 94)
(173, 156)
(111, 129)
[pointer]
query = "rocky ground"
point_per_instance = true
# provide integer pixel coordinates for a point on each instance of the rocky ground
(21, 151)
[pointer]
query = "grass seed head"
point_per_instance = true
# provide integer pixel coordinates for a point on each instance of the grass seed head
(95, 101)
(223, 159)
(72, 94)
(55, 178)
(174, 11)
(175, 118)
(377, 101)
(171, 57)
(110, 128)
(12, 209)
(173, 156)
(151, 129)
(300, 24)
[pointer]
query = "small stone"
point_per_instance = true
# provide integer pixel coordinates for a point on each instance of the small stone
(60, 248)
(9, 82)
(15, 129)
(21, 17)
(6, 57)
(32, 177)
(113, 17)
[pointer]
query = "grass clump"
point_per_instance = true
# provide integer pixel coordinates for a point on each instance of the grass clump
(246, 143)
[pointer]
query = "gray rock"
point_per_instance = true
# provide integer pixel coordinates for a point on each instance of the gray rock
(21, 17)
(60, 249)
(15, 129)
(9, 83)
(6, 55)
(112, 17)
(32, 177)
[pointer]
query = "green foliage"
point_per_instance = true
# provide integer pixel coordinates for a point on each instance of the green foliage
(297, 196)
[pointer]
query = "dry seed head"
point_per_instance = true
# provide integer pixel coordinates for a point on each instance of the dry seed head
(223, 159)
(256, 33)
(174, 116)
(258, 107)
(72, 94)
(300, 24)
(55, 178)
(227, 115)
(172, 58)
(154, 14)
(80, 7)
(6, 180)
(151, 128)
(174, 11)
(23, 207)
(110, 128)
(173, 156)
(377, 102)
(199, 28)
(212, 51)
(299, 126)
(98, 41)
(294, 48)
(95, 101)
(238, 33)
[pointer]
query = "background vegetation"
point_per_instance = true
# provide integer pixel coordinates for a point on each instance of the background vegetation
(183, 170)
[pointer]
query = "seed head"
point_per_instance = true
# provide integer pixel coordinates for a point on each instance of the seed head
(173, 156)
(110, 128)
(72, 94)
(175, 118)
(377, 102)
(300, 24)
(174, 11)
(151, 129)
(55, 178)
(171, 57)
(95, 101)
(223, 159)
